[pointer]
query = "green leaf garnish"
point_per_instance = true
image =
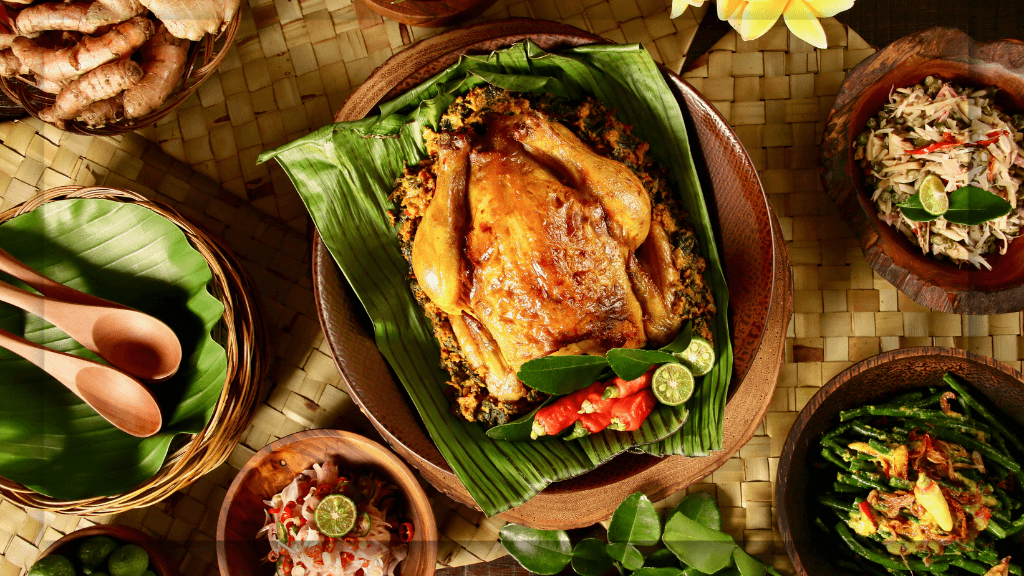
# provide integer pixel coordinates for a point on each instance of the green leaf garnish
(627, 555)
(914, 210)
(661, 558)
(544, 552)
(698, 546)
(589, 558)
(659, 571)
(635, 522)
(968, 205)
(630, 364)
(561, 374)
(971, 206)
(519, 429)
(700, 506)
(681, 341)
(747, 564)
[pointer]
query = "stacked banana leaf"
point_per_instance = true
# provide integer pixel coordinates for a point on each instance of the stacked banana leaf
(345, 173)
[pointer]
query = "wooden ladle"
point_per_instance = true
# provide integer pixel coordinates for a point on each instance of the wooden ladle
(120, 399)
(136, 343)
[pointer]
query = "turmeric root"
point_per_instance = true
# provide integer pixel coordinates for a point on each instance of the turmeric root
(48, 86)
(193, 19)
(163, 60)
(102, 112)
(104, 82)
(91, 52)
(56, 16)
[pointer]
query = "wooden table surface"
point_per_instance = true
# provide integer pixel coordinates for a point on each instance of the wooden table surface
(293, 65)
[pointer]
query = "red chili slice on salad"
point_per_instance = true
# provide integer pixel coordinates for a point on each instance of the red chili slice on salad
(405, 531)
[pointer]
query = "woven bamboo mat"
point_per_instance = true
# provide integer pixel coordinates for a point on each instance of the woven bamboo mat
(292, 67)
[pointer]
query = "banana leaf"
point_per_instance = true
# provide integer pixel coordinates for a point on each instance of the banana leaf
(50, 440)
(344, 174)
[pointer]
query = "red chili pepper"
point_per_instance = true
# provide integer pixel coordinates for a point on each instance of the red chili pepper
(596, 401)
(323, 490)
(562, 413)
(275, 510)
(286, 564)
(347, 557)
(630, 412)
(597, 421)
(621, 388)
(330, 545)
(865, 509)
(405, 531)
(991, 167)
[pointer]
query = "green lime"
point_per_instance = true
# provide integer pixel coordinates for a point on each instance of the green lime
(335, 515)
(699, 356)
(672, 384)
(52, 565)
(933, 195)
(128, 560)
(95, 550)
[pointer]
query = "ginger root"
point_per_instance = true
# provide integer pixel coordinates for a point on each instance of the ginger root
(113, 11)
(92, 52)
(193, 19)
(104, 82)
(10, 65)
(163, 60)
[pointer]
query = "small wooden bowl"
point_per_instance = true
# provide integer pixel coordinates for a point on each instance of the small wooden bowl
(878, 377)
(278, 463)
(949, 54)
(428, 13)
(754, 258)
(157, 562)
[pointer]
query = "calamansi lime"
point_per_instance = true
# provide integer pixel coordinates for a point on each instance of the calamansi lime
(672, 384)
(52, 565)
(699, 356)
(933, 195)
(128, 560)
(335, 515)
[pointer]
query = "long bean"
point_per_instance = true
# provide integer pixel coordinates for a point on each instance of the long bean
(885, 561)
(834, 503)
(995, 530)
(846, 488)
(831, 457)
(980, 409)
(985, 450)
(854, 480)
(872, 432)
(964, 563)
(900, 412)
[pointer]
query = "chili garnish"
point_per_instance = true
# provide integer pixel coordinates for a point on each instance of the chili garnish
(630, 412)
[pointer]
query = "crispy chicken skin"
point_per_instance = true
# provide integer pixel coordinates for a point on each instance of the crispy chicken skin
(530, 245)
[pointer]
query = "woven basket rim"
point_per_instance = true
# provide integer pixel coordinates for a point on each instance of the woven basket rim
(204, 57)
(241, 323)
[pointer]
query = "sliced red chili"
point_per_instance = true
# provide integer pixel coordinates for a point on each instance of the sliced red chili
(405, 531)
(865, 509)
(323, 490)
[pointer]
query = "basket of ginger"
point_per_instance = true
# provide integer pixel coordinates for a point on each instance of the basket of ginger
(110, 66)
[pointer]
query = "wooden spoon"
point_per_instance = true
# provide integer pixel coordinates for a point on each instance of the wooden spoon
(120, 399)
(134, 342)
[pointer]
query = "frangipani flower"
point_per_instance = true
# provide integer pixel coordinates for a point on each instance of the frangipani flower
(752, 18)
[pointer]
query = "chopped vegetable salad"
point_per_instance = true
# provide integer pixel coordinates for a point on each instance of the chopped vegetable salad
(938, 130)
(374, 539)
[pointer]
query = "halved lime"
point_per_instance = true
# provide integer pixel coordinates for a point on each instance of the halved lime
(672, 384)
(699, 356)
(335, 515)
(933, 195)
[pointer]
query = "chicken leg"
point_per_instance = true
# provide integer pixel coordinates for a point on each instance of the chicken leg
(437, 258)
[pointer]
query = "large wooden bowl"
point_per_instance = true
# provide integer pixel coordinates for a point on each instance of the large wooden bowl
(877, 377)
(278, 463)
(67, 545)
(428, 13)
(949, 54)
(755, 262)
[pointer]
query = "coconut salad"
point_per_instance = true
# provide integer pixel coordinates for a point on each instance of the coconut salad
(944, 166)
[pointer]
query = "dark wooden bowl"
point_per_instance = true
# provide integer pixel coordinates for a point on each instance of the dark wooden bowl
(157, 562)
(428, 13)
(756, 268)
(949, 54)
(876, 378)
(278, 463)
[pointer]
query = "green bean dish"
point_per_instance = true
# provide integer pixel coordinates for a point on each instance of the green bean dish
(929, 481)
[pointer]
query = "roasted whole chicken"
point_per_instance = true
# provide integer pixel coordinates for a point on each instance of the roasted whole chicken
(534, 244)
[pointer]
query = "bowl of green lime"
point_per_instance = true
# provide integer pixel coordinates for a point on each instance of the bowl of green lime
(103, 550)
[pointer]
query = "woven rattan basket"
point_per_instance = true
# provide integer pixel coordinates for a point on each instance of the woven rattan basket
(240, 331)
(204, 56)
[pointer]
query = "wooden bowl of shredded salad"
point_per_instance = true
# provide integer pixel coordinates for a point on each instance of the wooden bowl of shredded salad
(399, 536)
(886, 135)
